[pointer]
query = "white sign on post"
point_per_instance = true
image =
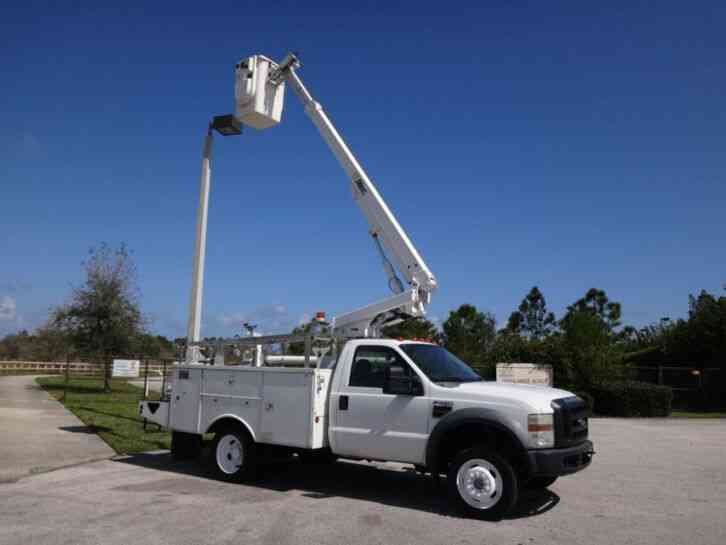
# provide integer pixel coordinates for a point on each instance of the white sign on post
(126, 368)
(524, 373)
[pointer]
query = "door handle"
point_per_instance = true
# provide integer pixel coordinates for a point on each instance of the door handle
(343, 403)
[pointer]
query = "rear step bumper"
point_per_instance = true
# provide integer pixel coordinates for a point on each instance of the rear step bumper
(561, 461)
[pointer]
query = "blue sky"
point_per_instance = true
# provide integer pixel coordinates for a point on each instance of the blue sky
(559, 144)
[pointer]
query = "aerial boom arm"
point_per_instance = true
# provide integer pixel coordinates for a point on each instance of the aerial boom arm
(383, 225)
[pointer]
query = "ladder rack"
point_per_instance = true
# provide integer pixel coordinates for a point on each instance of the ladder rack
(319, 345)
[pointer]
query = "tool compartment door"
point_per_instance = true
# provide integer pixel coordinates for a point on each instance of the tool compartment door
(185, 400)
(231, 392)
(287, 407)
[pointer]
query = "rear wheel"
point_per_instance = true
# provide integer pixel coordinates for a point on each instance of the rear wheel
(234, 457)
(482, 484)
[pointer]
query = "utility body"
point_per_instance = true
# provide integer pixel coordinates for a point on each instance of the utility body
(354, 394)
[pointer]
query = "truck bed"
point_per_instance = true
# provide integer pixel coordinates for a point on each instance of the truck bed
(279, 405)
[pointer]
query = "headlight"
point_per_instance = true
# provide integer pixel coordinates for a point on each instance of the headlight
(541, 431)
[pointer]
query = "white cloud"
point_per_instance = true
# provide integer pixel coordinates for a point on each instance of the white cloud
(8, 308)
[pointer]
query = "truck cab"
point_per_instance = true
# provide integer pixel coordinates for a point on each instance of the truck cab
(415, 402)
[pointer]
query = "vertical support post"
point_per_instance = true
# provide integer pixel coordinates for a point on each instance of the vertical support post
(107, 371)
(146, 378)
(308, 348)
(65, 382)
(218, 354)
(146, 384)
(660, 375)
(163, 381)
(195, 305)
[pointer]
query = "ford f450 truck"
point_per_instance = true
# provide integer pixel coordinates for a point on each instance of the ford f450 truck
(356, 395)
(388, 400)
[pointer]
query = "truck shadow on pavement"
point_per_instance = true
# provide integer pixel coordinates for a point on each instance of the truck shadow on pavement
(367, 482)
(85, 429)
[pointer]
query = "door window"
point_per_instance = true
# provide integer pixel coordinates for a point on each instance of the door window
(369, 364)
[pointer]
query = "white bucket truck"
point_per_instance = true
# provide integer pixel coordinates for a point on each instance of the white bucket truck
(353, 394)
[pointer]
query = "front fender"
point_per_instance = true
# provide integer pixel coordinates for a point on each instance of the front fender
(472, 415)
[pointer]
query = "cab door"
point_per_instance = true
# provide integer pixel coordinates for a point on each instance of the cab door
(372, 424)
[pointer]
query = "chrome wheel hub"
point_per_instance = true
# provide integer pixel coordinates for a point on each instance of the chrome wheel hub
(230, 455)
(479, 483)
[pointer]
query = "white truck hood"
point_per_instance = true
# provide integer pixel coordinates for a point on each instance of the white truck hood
(537, 397)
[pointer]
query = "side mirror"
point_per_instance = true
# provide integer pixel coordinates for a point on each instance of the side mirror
(397, 382)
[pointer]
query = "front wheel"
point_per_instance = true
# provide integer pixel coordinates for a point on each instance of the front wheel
(482, 484)
(234, 455)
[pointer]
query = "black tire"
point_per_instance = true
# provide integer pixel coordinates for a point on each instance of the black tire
(185, 446)
(487, 469)
(233, 456)
(537, 483)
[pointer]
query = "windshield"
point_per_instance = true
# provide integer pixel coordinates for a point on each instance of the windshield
(439, 364)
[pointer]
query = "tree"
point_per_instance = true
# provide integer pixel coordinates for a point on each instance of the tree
(647, 345)
(588, 353)
(510, 347)
(15, 346)
(532, 318)
(413, 328)
(103, 316)
(155, 346)
(45, 344)
(470, 335)
(707, 329)
(51, 344)
(596, 303)
(298, 349)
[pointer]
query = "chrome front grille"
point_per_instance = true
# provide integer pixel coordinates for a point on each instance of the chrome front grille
(570, 418)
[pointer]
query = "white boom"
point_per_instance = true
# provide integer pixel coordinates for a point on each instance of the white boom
(388, 234)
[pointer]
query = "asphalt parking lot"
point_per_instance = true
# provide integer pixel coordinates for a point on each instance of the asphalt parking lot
(652, 481)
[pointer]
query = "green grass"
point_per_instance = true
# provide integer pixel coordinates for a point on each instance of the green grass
(113, 415)
(692, 414)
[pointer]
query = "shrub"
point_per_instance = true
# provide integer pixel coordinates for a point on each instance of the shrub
(632, 398)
